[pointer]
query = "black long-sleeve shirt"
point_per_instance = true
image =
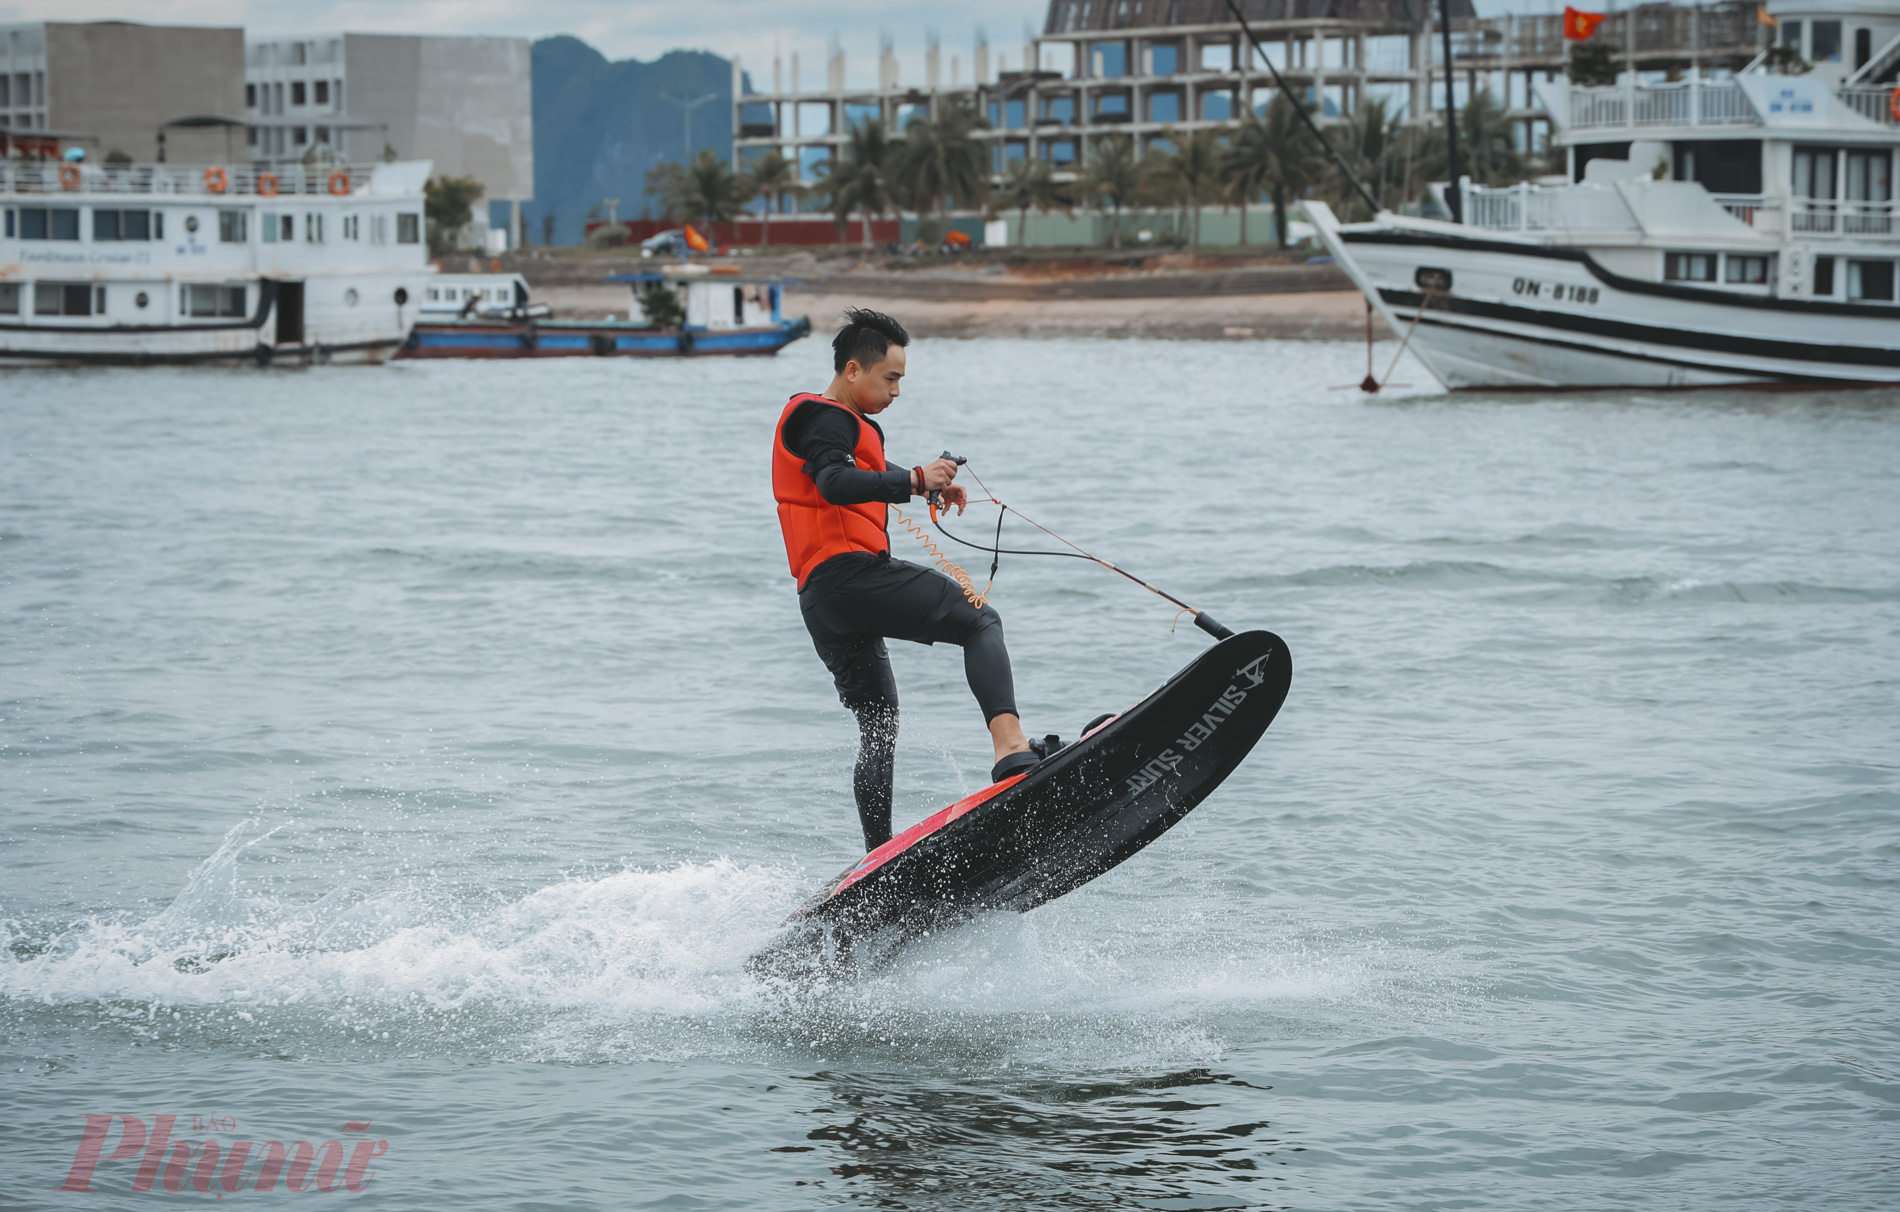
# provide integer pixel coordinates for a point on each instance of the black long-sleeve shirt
(825, 436)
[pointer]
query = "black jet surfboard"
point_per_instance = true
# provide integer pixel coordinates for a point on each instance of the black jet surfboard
(1031, 838)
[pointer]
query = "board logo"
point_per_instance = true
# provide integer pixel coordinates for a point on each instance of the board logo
(1255, 671)
(1248, 677)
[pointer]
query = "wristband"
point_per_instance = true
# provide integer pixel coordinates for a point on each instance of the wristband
(919, 490)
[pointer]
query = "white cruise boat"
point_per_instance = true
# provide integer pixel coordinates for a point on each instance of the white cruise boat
(156, 263)
(1711, 232)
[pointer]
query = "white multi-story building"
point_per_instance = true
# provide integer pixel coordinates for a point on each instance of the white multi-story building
(463, 103)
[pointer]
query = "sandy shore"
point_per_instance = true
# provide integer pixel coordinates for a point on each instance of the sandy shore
(1317, 315)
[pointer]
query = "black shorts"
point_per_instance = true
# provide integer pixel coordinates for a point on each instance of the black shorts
(852, 603)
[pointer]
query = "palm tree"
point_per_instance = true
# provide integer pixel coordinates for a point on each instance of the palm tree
(1379, 153)
(1197, 162)
(941, 162)
(1493, 157)
(863, 178)
(1112, 177)
(713, 191)
(772, 177)
(1032, 183)
(1278, 151)
(667, 182)
(1162, 184)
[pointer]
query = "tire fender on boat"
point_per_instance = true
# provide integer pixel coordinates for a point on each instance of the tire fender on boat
(530, 336)
(601, 343)
(686, 341)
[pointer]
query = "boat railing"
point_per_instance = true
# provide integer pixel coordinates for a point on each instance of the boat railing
(1689, 103)
(1760, 211)
(213, 180)
(1528, 207)
(1844, 220)
(1874, 102)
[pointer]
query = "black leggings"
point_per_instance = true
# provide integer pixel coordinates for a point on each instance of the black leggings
(852, 604)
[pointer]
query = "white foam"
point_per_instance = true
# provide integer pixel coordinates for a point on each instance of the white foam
(650, 963)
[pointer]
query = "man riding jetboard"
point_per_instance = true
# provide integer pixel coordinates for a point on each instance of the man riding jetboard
(833, 481)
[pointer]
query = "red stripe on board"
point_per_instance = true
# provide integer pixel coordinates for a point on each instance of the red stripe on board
(922, 829)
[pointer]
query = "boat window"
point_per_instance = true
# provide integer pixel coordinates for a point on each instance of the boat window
(1863, 47)
(9, 298)
(409, 228)
(1791, 35)
(1746, 271)
(234, 227)
(1814, 172)
(1721, 166)
(49, 223)
(313, 228)
(1824, 277)
(1870, 281)
(296, 92)
(1825, 42)
(9, 223)
(1869, 175)
(65, 298)
(1689, 267)
(121, 224)
(212, 301)
(738, 305)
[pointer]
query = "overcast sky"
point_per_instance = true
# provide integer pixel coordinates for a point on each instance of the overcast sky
(642, 29)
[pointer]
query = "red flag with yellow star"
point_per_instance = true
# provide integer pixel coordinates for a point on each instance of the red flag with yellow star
(1579, 25)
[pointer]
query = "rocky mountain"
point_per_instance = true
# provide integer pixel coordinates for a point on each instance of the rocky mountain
(600, 124)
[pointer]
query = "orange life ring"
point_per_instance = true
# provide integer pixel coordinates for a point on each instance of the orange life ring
(340, 183)
(267, 185)
(1893, 104)
(215, 180)
(69, 176)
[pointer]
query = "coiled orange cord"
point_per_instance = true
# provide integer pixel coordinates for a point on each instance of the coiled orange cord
(955, 572)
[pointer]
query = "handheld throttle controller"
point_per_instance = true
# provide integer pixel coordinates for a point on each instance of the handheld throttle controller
(935, 495)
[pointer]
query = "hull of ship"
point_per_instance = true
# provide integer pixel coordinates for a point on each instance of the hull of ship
(352, 319)
(1528, 315)
(557, 339)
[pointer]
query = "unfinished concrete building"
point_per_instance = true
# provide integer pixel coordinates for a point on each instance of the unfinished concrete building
(1156, 69)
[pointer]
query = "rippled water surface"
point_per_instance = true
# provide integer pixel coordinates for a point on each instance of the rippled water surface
(424, 748)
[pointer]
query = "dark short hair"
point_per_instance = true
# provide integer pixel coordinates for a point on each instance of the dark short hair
(865, 338)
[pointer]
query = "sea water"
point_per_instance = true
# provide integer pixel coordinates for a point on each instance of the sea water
(398, 765)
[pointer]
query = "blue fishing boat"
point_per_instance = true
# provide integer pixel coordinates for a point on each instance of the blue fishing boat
(682, 311)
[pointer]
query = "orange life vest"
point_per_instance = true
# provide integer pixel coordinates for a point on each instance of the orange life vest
(815, 529)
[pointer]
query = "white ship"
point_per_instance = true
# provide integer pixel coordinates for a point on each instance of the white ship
(155, 263)
(1710, 232)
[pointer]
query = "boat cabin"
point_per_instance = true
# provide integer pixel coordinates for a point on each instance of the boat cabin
(714, 298)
